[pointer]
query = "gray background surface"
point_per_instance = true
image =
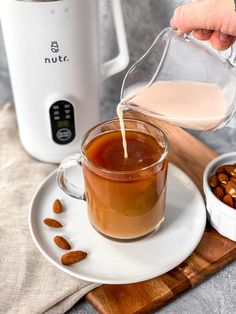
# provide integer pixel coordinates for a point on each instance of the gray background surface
(143, 20)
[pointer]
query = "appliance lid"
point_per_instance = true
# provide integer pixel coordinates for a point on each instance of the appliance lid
(39, 0)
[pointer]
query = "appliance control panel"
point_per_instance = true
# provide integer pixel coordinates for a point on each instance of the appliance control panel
(62, 122)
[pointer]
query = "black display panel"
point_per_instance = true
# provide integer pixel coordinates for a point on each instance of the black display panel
(62, 122)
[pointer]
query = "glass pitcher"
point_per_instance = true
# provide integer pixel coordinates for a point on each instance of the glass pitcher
(182, 81)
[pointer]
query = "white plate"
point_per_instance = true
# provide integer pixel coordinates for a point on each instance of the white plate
(114, 262)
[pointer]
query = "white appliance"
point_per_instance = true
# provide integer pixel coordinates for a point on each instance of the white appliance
(54, 62)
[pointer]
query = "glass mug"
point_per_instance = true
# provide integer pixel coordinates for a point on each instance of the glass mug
(122, 204)
(179, 57)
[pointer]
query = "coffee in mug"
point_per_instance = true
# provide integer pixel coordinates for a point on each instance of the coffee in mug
(125, 196)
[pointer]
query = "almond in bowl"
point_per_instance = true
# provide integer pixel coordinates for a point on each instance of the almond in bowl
(223, 185)
(219, 185)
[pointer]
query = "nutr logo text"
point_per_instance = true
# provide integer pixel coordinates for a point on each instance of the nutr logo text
(58, 58)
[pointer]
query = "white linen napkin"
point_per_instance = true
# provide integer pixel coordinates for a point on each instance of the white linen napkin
(28, 282)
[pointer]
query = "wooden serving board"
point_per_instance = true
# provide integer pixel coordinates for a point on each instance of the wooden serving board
(213, 252)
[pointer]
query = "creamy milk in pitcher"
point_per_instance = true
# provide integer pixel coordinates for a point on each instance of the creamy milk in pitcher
(181, 81)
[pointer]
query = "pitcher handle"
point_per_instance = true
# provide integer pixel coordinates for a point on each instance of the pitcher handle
(66, 186)
(121, 61)
(232, 56)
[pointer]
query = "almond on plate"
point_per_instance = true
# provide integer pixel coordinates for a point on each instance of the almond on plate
(62, 243)
(57, 206)
(73, 257)
(53, 223)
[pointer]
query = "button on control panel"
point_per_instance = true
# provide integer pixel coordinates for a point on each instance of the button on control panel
(62, 122)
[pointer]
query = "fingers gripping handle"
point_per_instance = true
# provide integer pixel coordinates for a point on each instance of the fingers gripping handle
(66, 186)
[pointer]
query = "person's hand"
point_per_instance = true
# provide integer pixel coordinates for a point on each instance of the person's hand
(213, 20)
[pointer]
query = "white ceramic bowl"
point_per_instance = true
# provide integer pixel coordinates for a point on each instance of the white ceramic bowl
(221, 216)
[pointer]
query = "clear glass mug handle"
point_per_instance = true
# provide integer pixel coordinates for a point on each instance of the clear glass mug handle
(66, 186)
